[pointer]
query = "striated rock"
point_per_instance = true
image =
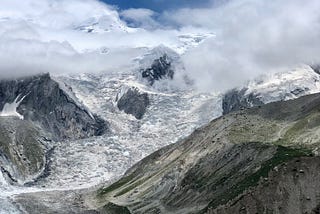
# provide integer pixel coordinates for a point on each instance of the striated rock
(133, 102)
(41, 100)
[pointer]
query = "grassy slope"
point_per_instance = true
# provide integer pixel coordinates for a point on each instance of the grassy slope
(291, 126)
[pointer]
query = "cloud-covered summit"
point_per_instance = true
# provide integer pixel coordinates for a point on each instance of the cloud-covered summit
(250, 37)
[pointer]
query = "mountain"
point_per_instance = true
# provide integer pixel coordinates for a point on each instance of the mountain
(103, 23)
(274, 87)
(142, 118)
(42, 100)
(35, 112)
(223, 165)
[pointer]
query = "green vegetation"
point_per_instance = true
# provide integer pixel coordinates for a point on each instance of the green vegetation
(131, 187)
(283, 154)
(303, 126)
(116, 185)
(254, 130)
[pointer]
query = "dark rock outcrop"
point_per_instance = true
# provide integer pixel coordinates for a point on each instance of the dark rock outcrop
(42, 101)
(160, 69)
(133, 102)
(235, 100)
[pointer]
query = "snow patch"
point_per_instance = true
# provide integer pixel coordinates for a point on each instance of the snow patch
(10, 109)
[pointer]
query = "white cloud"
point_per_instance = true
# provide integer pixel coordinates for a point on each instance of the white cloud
(141, 17)
(57, 14)
(252, 37)
(49, 36)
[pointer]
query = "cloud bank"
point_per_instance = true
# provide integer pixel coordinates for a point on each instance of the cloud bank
(60, 36)
(252, 37)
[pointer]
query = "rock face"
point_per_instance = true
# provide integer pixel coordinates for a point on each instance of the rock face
(235, 100)
(41, 100)
(22, 150)
(160, 69)
(214, 169)
(133, 102)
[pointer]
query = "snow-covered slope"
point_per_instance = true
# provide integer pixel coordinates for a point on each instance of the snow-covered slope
(190, 40)
(288, 85)
(170, 117)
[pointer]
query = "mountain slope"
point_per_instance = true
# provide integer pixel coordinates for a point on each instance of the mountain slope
(220, 161)
(35, 112)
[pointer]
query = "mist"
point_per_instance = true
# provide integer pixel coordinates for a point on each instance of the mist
(38, 37)
(252, 37)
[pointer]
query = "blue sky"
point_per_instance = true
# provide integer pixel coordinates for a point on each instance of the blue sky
(157, 5)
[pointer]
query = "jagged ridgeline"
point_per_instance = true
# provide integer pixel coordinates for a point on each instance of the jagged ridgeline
(259, 160)
(34, 112)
